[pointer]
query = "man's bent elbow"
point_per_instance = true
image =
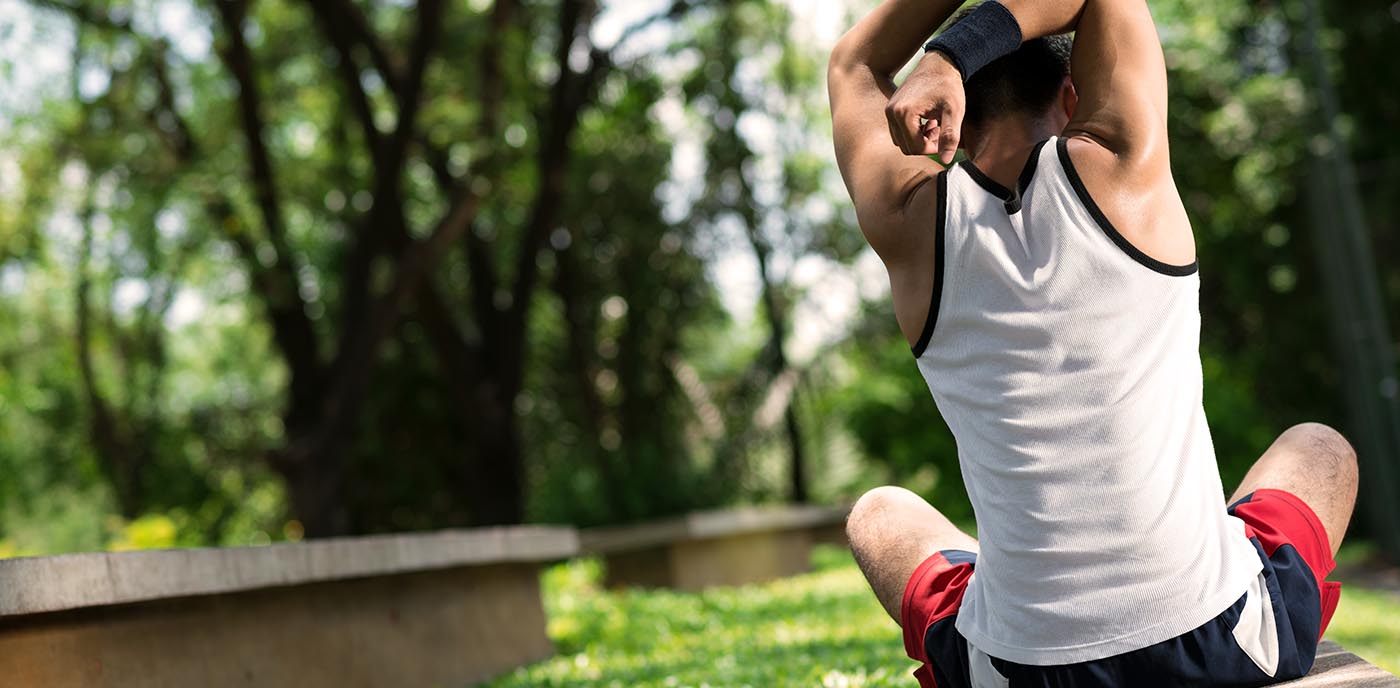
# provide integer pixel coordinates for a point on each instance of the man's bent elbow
(845, 56)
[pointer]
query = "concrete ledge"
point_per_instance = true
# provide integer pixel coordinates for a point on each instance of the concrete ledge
(446, 608)
(705, 549)
(71, 581)
(1335, 666)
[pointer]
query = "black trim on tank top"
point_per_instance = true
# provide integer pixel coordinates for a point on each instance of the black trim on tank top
(1133, 252)
(940, 223)
(1011, 199)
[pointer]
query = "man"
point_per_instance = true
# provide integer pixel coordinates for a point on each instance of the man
(1049, 289)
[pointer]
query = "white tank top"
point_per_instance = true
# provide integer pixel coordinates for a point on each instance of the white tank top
(1066, 363)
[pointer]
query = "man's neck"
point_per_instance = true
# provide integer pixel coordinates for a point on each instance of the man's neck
(1002, 152)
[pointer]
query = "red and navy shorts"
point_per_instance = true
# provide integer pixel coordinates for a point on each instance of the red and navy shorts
(1297, 558)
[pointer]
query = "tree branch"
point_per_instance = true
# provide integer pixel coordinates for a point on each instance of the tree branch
(677, 10)
(567, 97)
(481, 271)
(333, 23)
(291, 326)
(91, 16)
(413, 268)
(480, 268)
(579, 344)
(570, 93)
(346, 27)
(180, 139)
(409, 89)
(117, 458)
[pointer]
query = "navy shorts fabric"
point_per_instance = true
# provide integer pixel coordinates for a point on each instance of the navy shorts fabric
(1297, 558)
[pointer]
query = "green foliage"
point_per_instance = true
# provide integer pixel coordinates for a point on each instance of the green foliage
(145, 228)
(890, 413)
(1233, 89)
(627, 286)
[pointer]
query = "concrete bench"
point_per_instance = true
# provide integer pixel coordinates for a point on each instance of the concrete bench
(1335, 666)
(705, 549)
(444, 608)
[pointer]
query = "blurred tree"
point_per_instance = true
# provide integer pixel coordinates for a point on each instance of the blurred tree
(394, 230)
(439, 238)
(97, 257)
(755, 121)
(626, 289)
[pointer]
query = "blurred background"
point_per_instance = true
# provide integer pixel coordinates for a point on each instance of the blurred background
(273, 270)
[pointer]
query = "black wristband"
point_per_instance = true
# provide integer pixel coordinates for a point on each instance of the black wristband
(987, 33)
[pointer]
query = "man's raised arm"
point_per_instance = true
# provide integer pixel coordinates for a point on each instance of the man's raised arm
(1116, 66)
(1117, 137)
(883, 182)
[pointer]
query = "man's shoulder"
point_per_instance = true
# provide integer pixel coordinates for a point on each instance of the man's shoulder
(1133, 196)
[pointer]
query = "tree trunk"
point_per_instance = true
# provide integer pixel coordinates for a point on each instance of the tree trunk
(798, 474)
(777, 332)
(314, 494)
(495, 483)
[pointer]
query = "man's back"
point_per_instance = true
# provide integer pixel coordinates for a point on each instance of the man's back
(1067, 368)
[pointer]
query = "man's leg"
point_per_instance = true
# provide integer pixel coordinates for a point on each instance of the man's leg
(892, 531)
(1316, 464)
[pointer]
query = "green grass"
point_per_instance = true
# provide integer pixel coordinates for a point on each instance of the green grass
(820, 629)
(1368, 623)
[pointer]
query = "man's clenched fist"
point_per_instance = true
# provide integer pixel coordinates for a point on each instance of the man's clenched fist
(925, 113)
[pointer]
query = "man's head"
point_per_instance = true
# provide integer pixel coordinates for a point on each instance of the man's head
(1030, 82)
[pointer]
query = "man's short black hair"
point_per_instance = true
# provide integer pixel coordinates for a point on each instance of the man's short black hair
(1024, 82)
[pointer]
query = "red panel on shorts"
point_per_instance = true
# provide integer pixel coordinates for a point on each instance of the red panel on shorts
(934, 592)
(1277, 518)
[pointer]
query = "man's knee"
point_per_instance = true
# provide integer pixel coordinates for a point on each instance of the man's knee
(1318, 465)
(891, 531)
(875, 506)
(1325, 449)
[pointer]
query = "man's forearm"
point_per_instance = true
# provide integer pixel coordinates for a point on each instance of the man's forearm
(1041, 18)
(887, 37)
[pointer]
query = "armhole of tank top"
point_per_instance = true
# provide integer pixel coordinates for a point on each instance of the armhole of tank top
(1113, 234)
(940, 223)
